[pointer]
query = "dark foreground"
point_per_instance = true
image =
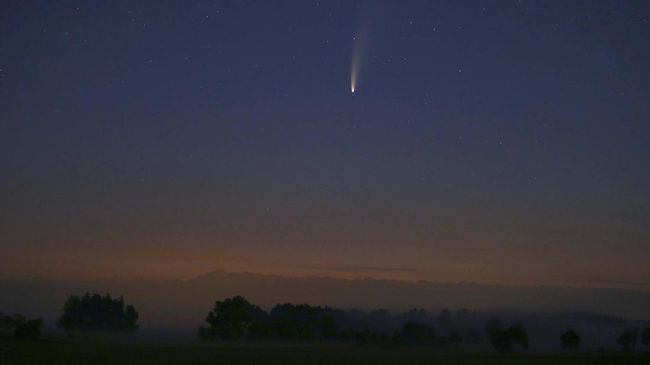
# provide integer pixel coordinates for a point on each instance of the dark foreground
(58, 352)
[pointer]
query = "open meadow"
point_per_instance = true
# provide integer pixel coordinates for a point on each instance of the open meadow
(65, 352)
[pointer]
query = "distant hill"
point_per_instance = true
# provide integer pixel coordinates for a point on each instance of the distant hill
(184, 304)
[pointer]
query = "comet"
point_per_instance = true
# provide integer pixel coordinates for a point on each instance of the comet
(356, 63)
(360, 42)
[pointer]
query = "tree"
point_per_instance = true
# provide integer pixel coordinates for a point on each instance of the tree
(327, 327)
(415, 315)
(379, 315)
(570, 340)
(29, 330)
(94, 312)
(20, 327)
(444, 321)
(505, 340)
(472, 337)
(232, 319)
(9, 323)
(492, 325)
(295, 322)
(364, 337)
(304, 322)
(454, 338)
(518, 335)
(381, 321)
(645, 337)
(417, 333)
(627, 339)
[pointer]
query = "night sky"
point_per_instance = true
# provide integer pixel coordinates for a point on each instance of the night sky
(502, 142)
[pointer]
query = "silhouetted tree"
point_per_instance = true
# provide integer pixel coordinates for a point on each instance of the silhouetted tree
(627, 339)
(504, 340)
(205, 333)
(94, 312)
(364, 337)
(295, 322)
(6, 325)
(327, 326)
(492, 325)
(9, 323)
(29, 330)
(570, 340)
(454, 338)
(379, 315)
(20, 327)
(380, 320)
(645, 336)
(417, 333)
(415, 315)
(233, 319)
(472, 337)
(462, 317)
(304, 322)
(444, 322)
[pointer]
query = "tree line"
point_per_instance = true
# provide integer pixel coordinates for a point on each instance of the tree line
(236, 319)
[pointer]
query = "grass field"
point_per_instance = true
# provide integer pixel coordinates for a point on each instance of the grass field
(63, 352)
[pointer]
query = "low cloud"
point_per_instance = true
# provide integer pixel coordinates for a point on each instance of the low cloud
(360, 268)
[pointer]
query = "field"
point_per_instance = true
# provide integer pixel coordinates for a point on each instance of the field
(65, 352)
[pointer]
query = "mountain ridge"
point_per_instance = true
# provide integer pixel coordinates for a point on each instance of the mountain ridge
(184, 303)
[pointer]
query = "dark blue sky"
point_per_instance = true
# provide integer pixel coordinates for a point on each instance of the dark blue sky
(495, 141)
